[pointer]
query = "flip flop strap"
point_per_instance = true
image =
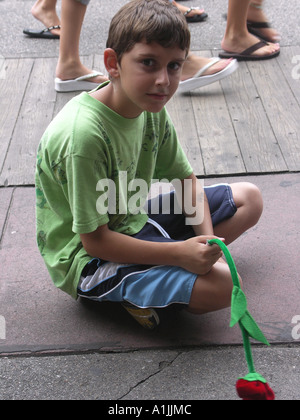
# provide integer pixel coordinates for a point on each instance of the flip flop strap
(208, 65)
(259, 25)
(190, 10)
(51, 27)
(254, 48)
(89, 76)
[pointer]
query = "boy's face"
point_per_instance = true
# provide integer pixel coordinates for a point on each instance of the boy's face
(149, 75)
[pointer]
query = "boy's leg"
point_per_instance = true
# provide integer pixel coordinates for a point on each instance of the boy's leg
(249, 203)
(212, 292)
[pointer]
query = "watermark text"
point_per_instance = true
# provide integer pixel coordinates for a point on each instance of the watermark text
(2, 328)
(296, 328)
(123, 197)
(2, 68)
(296, 68)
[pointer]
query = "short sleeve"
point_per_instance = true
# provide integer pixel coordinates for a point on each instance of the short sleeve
(172, 162)
(83, 175)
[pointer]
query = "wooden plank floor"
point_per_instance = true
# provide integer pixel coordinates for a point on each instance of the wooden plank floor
(246, 124)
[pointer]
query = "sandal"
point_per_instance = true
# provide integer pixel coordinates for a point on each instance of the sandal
(247, 55)
(82, 83)
(198, 80)
(195, 18)
(146, 317)
(45, 33)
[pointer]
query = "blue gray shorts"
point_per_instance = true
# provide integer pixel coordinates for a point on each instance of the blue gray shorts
(154, 286)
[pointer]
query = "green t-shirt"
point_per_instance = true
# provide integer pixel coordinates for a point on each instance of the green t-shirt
(85, 148)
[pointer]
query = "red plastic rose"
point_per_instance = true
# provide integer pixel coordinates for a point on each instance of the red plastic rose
(254, 390)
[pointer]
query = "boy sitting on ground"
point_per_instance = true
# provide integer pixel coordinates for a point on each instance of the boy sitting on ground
(101, 153)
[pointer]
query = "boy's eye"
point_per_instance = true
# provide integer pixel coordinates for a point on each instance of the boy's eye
(148, 62)
(152, 64)
(174, 66)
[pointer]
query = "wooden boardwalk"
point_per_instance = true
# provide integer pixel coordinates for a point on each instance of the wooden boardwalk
(248, 123)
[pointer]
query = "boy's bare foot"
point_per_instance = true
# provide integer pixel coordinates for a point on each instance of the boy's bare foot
(47, 15)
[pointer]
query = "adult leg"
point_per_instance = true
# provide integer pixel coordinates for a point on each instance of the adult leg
(45, 12)
(69, 65)
(237, 38)
(256, 15)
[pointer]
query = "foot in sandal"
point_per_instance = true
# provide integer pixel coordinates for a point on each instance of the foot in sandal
(46, 14)
(192, 14)
(248, 47)
(71, 78)
(201, 71)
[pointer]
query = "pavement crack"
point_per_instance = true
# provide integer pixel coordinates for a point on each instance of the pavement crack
(161, 367)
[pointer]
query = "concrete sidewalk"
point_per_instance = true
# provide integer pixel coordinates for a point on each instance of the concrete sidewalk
(52, 347)
(67, 349)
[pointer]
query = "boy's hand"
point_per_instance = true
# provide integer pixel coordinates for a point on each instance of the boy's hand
(198, 256)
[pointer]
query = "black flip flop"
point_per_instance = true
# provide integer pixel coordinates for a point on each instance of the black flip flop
(254, 29)
(45, 33)
(247, 54)
(195, 18)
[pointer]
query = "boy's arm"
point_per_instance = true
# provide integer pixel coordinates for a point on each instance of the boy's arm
(195, 206)
(193, 255)
(117, 247)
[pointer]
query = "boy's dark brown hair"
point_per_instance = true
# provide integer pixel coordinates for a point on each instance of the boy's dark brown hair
(150, 21)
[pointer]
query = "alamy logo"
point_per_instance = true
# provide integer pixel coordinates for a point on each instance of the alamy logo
(2, 68)
(2, 328)
(126, 197)
(296, 329)
(296, 68)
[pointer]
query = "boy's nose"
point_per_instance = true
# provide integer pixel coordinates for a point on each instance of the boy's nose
(163, 78)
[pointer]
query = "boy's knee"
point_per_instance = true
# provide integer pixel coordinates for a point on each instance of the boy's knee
(249, 197)
(255, 201)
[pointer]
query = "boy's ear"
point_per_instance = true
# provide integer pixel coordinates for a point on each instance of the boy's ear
(111, 62)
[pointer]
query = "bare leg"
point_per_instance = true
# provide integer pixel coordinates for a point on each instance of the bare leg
(212, 292)
(237, 38)
(69, 64)
(249, 203)
(45, 12)
(256, 14)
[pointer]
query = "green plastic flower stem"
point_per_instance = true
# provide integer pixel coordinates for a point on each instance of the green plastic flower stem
(240, 314)
(247, 348)
(229, 259)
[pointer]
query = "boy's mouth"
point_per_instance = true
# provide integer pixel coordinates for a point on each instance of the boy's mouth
(158, 96)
